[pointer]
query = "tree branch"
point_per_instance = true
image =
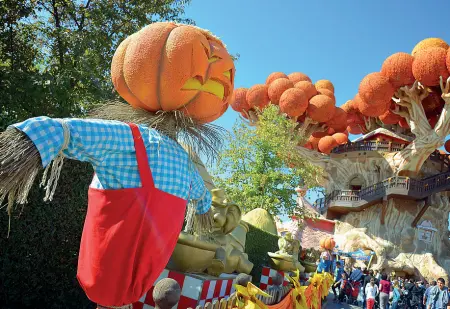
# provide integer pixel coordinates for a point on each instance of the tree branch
(442, 127)
(66, 4)
(411, 99)
(58, 33)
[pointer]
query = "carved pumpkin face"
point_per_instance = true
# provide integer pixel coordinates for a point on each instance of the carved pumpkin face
(167, 66)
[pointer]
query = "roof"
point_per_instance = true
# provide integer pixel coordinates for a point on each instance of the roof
(385, 132)
(310, 237)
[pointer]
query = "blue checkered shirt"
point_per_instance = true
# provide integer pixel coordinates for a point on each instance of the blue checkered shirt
(109, 147)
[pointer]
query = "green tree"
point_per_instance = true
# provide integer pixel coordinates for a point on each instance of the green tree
(55, 55)
(260, 167)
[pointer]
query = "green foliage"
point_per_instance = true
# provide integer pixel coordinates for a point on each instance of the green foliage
(260, 168)
(55, 55)
(257, 245)
(39, 259)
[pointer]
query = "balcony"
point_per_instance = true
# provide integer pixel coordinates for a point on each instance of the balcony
(401, 187)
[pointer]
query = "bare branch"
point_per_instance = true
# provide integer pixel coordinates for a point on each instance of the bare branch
(442, 127)
(411, 98)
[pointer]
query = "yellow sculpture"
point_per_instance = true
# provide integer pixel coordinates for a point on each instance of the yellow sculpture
(298, 292)
(230, 233)
(286, 259)
(246, 297)
(220, 252)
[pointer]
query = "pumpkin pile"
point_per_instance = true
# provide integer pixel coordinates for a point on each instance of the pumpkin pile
(301, 100)
(429, 60)
(167, 66)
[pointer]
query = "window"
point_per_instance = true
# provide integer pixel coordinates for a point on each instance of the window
(356, 183)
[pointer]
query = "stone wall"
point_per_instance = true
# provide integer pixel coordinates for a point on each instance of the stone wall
(397, 244)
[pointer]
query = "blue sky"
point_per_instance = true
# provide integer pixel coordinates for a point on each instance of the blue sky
(337, 40)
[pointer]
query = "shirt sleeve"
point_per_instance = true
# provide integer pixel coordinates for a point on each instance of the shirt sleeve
(200, 193)
(90, 140)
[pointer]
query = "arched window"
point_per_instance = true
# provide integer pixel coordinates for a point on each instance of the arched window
(356, 182)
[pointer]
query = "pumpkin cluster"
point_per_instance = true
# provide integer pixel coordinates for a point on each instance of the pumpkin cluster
(167, 66)
(301, 100)
(429, 60)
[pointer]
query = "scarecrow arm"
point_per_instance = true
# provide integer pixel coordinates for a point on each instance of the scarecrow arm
(199, 216)
(27, 147)
(90, 141)
(199, 193)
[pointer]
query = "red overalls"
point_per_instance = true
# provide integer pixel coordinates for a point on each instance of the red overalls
(128, 237)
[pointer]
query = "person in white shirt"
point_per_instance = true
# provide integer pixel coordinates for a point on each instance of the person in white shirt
(371, 292)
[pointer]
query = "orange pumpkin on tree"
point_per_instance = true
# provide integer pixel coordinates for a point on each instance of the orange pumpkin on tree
(167, 66)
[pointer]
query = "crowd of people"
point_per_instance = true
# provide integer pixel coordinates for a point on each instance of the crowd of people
(372, 289)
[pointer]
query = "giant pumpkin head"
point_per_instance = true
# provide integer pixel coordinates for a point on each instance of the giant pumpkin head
(167, 66)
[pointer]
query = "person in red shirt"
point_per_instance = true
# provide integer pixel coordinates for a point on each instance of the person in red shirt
(385, 289)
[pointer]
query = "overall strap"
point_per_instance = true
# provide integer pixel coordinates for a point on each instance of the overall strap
(141, 156)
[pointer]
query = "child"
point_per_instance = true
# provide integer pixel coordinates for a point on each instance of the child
(371, 292)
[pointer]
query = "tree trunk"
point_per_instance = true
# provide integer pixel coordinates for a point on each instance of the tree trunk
(59, 41)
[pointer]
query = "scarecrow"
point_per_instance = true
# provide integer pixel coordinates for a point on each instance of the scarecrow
(175, 79)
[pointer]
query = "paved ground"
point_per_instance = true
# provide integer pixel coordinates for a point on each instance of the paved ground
(332, 305)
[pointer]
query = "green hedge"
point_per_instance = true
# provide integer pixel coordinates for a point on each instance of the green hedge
(257, 244)
(39, 260)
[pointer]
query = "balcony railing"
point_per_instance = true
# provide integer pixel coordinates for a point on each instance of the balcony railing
(386, 147)
(369, 146)
(413, 188)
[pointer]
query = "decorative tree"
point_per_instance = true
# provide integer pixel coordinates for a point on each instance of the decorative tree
(410, 96)
(256, 167)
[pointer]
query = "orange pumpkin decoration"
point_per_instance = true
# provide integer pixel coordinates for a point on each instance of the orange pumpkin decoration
(354, 129)
(274, 76)
(307, 87)
(257, 96)
(340, 138)
(375, 89)
(429, 64)
(239, 102)
(326, 144)
(322, 242)
(375, 109)
(324, 84)
(388, 117)
(328, 243)
(277, 87)
(297, 77)
(328, 93)
(314, 141)
(447, 145)
(349, 107)
(339, 120)
(355, 119)
(168, 66)
(398, 68)
(321, 108)
(293, 102)
(448, 60)
(428, 43)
